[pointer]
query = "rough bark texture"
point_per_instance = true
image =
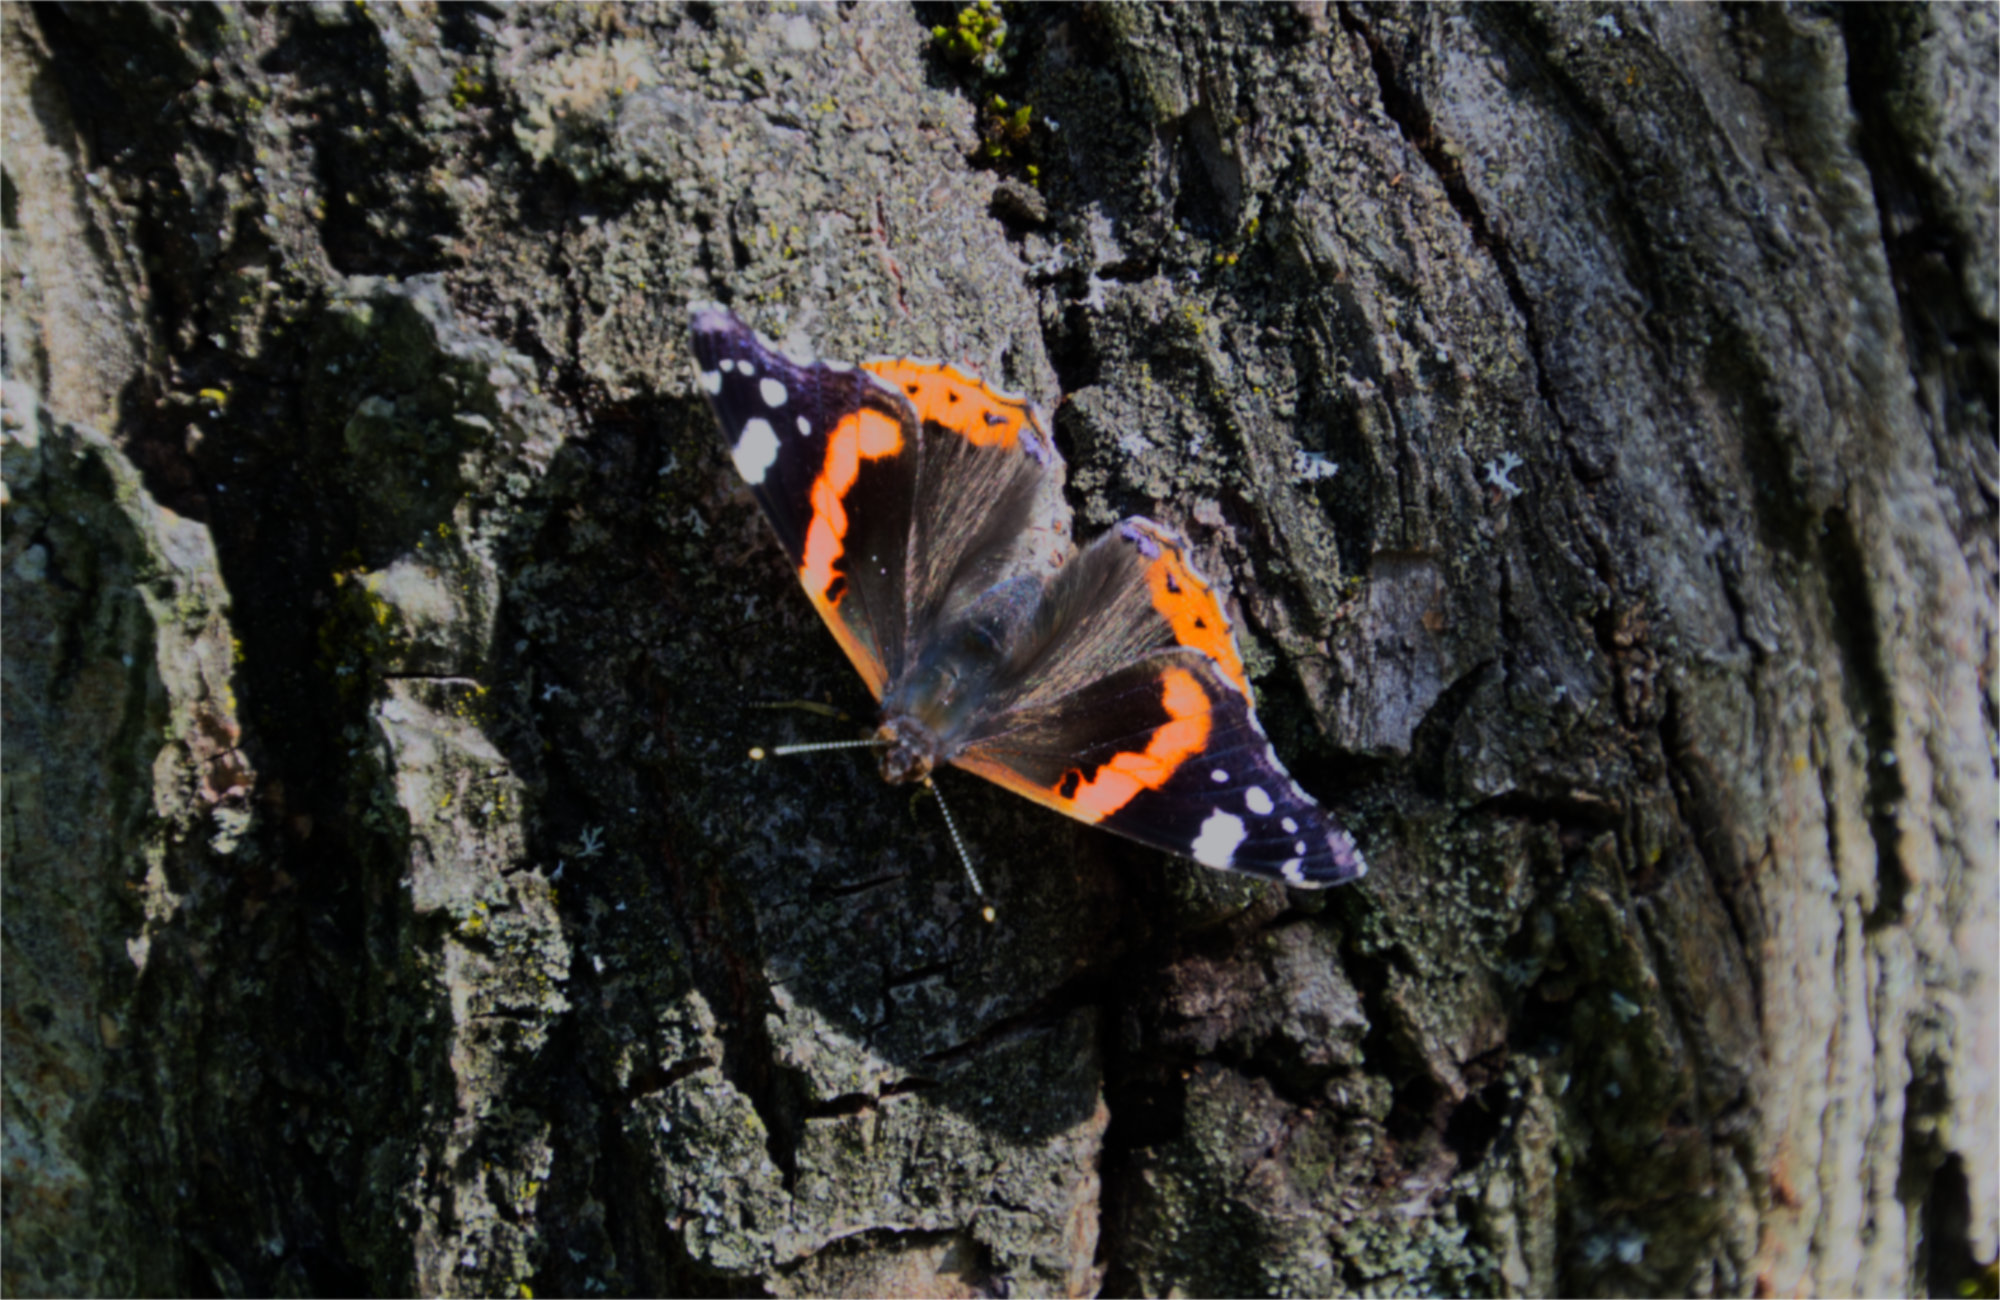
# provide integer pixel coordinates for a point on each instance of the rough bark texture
(1591, 408)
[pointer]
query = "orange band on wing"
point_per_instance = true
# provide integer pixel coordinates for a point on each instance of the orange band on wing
(959, 402)
(1179, 739)
(865, 435)
(1197, 619)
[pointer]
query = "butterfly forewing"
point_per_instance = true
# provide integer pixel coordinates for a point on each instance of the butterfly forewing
(1168, 753)
(824, 449)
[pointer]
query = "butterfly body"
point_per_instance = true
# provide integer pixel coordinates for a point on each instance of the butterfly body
(937, 704)
(924, 515)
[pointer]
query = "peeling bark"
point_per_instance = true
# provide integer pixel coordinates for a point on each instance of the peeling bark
(1590, 409)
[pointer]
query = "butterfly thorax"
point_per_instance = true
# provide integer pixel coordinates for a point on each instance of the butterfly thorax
(930, 710)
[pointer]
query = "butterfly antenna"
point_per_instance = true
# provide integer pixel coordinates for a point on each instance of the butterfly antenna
(958, 842)
(759, 753)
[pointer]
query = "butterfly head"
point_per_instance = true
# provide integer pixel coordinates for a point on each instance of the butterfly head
(910, 750)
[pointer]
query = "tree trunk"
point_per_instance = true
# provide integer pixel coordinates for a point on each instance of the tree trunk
(1592, 413)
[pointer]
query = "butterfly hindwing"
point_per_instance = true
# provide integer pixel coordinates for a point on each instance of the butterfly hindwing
(988, 486)
(1131, 711)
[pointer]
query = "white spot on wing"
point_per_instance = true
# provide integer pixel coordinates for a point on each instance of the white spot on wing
(1218, 776)
(755, 450)
(1291, 827)
(1299, 847)
(805, 427)
(726, 365)
(1220, 834)
(1292, 872)
(711, 382)
(1258, 801)
(773, 392)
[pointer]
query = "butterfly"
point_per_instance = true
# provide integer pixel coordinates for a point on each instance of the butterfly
(923, 513)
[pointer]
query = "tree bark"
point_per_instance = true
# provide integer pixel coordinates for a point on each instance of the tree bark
(1591, 411)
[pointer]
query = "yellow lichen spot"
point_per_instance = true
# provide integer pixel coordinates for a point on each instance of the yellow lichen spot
(975, 37)
(214, 396)
(466, 88)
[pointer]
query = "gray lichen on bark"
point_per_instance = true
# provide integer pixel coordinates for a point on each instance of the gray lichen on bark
(1590, 410)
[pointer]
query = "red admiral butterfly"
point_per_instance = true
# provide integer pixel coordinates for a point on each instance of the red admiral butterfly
(923, 513)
